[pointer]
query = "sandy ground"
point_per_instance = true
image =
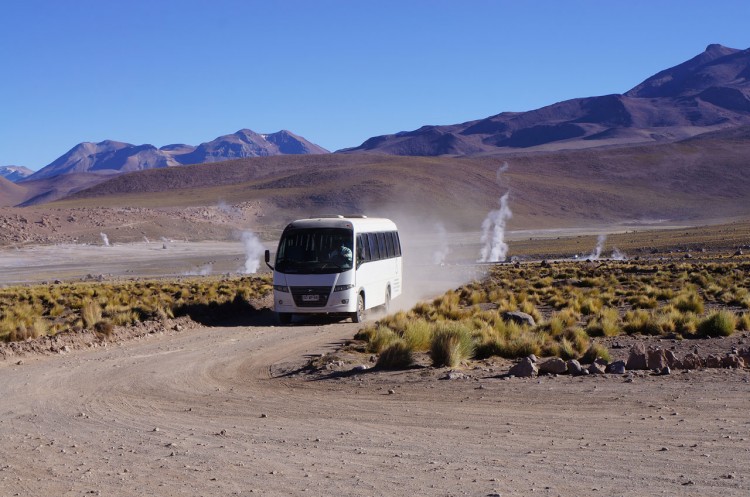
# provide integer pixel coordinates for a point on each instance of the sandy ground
(228, 411)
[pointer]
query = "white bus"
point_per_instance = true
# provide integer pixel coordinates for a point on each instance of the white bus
(336, 265)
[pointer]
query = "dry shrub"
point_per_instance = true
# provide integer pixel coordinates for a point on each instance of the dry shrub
(719, 323)
(689, 302)
(381, 339)
(91, 313)
(418, 335)
(451, 344)
(594, 352)
(397, 355)
(605, 323)
(104, 328)
(743, 323)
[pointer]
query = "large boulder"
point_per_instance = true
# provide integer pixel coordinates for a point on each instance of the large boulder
(655, 359)
(554, 365)
(525, 368)
(519, 317)
(713, 361)
(574, 367)
(732, 361)
(692, 361)
(637, 358)
(617, 367)
(597, 367)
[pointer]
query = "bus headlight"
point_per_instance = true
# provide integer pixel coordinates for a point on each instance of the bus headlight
(281, 288)
(342, 288)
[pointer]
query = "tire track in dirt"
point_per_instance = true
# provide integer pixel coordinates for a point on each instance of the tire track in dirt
(182, 414)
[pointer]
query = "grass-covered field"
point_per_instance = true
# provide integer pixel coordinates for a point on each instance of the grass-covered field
(571, 302)
(38, 310)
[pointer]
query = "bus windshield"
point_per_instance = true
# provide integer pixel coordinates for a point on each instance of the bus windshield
(315, 251)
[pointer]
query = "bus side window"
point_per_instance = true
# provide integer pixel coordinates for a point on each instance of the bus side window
(381, 245)
(389, 244)
(397, 243)
(363, 252)
(373, 243)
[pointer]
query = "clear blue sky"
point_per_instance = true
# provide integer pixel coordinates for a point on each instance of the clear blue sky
(333, 71)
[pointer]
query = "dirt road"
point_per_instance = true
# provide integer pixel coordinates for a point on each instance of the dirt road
(220, 411)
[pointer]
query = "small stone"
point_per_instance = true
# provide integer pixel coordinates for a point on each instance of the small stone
(263, 415)
(597, 368)
(555, 365)
(665, 371)
(391, 391)
(525, 368)
(617, 367)
(155, 429)
(574, 367)
(637, 358)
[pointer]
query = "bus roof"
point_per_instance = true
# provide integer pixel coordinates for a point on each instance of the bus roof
(359, 223)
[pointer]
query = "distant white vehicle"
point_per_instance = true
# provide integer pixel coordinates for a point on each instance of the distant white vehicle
(336, 265)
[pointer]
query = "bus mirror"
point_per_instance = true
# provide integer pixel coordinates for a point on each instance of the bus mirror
(268, 259)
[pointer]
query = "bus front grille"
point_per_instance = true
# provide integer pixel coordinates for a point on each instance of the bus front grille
(310, 296)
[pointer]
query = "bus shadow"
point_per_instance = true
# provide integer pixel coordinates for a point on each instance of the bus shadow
(238, 312)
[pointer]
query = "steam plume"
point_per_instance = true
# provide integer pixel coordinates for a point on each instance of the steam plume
(441, 245)
(493, 233)
(493, 227)
(618, 255)
(254, 250)
(104, 239)
(599, 247)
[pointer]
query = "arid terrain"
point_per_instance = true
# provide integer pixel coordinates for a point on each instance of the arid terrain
(226, 410)
(247, 407)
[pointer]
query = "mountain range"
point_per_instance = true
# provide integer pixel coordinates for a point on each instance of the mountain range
(15, 173)
(708, 92)
(113, 157)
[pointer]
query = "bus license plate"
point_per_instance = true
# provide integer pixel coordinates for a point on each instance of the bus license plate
(310, 298)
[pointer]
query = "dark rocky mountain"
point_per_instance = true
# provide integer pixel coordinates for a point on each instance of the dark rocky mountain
(112, 157)
(709, 92)
(15, 173)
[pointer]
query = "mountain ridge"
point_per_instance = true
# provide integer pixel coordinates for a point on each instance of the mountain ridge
(114, 157)
(708, 92)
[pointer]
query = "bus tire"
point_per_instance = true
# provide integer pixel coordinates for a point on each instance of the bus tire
(359, 315)
(284, 318)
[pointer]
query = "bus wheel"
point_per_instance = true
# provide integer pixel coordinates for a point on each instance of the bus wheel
(359, 315)
(284, 317)
(387, 305)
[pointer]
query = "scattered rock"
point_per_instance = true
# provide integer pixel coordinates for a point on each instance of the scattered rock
(713, 361)
(656, 359)
(574, 367)
(692, 361)
(665, 371)
(533, 358)
(453, 375)
(555, 365)
(391, 391)
(637, 358)
(524, 369)
(732, 361)
(519, 317)
(617, 367)
(360, 367)
(597, 368)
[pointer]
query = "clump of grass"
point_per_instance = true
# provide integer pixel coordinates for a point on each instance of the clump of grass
(91, 313)
(398, 355)
(689, 302)
(596, 351)
(104, 328)
(381, 339)
(605, 323)
(451, 344)
(743, 323)
(418, 335)
(719, 323)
